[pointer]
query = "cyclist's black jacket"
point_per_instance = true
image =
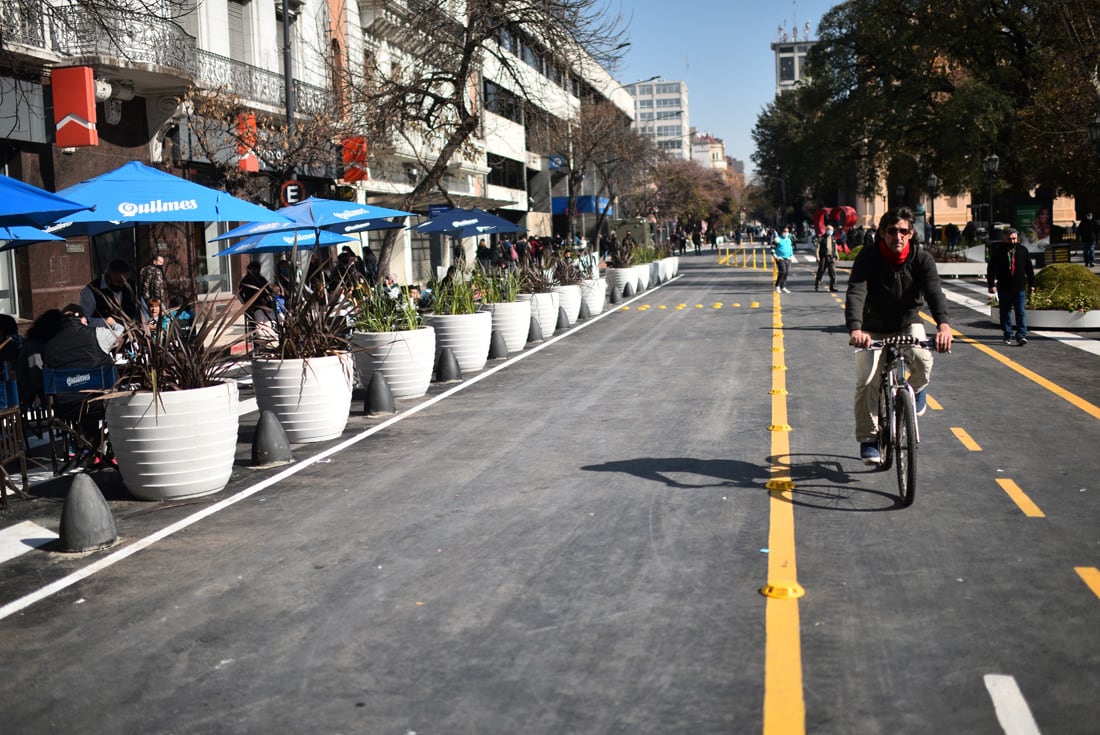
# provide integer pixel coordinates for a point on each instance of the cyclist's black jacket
(883, 300)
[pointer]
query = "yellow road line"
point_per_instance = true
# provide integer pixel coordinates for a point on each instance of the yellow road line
(1091, 576)
(965, 438)
(784, 703)
(933, 403)
(1021, 499)
(1090, 408)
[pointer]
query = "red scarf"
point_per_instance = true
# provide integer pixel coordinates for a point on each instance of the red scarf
(891, 257)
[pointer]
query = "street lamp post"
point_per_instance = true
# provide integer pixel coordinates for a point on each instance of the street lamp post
(990, 164)
(933, 189)
(1094, 132)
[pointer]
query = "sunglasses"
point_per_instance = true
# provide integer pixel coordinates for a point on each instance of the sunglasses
(898, 230)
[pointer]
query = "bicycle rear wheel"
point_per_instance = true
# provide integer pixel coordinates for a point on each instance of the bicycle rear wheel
(885, 424)
(905, 446)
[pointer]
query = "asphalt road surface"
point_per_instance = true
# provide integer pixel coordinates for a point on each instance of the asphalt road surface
(575, 540)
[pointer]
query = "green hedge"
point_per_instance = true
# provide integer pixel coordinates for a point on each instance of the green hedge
(1066, 287)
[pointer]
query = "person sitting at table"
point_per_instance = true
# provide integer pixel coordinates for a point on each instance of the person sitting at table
(253, 284)
(112, 295)
(75, 344)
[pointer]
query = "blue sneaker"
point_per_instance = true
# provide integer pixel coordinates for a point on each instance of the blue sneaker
(921, 402)
(868, 452)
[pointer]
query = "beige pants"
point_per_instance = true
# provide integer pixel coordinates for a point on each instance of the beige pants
(919, 361)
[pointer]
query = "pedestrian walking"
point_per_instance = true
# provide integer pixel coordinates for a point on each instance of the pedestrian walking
(1011, 277)
(1088, 232)
(826, 259)
(783, 252)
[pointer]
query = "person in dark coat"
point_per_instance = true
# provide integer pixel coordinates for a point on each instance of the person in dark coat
(111, 296)
(1011, 277)
(889, 284)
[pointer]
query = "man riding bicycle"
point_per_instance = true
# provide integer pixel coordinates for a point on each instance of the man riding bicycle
(889, 283)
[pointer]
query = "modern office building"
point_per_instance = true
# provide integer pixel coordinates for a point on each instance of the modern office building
(661, 113)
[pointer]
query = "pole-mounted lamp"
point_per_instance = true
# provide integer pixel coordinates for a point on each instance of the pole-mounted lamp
(1094, 132)
(933, 190)
(990, 165)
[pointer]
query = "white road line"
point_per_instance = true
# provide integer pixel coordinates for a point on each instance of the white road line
(118, 555)
(21, 538)
(981, 306)
(1012, 710)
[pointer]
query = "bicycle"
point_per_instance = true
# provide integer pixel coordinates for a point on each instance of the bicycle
(898, 432)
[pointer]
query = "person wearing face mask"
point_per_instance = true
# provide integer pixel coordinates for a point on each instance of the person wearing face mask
(889, 285)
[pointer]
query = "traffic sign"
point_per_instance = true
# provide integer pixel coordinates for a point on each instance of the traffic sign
(292, 192)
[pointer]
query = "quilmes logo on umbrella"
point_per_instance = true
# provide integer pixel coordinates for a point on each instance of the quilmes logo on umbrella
(156, 206)
(469, 222)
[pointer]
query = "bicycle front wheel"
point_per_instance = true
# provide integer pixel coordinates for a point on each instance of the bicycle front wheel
(905, 446)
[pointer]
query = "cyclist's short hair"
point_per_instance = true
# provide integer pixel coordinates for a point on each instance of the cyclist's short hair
(893, 216)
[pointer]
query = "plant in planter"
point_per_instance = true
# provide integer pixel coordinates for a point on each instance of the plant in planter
(620, 267)
(390, 338)
(172, 418)
(1066, 287)
(538, 288)
(457, 322)
(499, 291)
(304, 372)
(568, 277)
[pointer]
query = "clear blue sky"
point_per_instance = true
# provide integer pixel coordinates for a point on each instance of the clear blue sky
(722, 49)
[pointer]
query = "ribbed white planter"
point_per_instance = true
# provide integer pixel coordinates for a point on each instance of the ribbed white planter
(642, 275)
(655, 273)
(569, 298)
(405, 359)
(544, 310)
(617, 278)
(672, 262)
(594, 293)
(513, 320)
(1054, 319)
(311, 398)
(468, 336)
(180, 447)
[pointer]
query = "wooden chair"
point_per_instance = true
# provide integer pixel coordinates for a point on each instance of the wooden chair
(12, 444)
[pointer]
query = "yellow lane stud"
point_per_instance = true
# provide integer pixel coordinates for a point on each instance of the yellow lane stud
(662, 306)
(698, 306)
(754, 305)
(736, 306)
(718, 305)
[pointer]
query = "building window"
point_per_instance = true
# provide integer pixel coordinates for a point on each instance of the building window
(500, 101)
(668, 89)
(645, 103)
(506, 172)
(668, 102)
(786, 69)
(239, 20)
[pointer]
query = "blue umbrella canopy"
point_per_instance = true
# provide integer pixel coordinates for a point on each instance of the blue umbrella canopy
(135, 193)
(19, 235)
(468, 223)
(325, 214)
(279, 241)
(26, 205)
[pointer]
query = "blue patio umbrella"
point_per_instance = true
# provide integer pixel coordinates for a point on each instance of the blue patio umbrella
(137, 194)
(26, 205)
(274, 242)
(468, 223)
(325, 214)
(19, 235)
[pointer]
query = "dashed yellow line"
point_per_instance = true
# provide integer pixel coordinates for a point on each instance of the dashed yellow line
(1091, 577)
(933, 403)
(967, 441)
(1020, 498)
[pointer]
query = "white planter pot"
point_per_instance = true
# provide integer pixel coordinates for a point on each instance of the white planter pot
(180, 447)
(674, 264)
(569, 298)
(655, 274)
(594, 293)
(641, 275)
(513, 320)
(1054, 318)
(617, 278)
(404, 358)
(468, 336)
(544, 310)
(311, 398)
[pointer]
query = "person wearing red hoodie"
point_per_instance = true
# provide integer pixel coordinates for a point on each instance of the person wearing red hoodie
(889, 284)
